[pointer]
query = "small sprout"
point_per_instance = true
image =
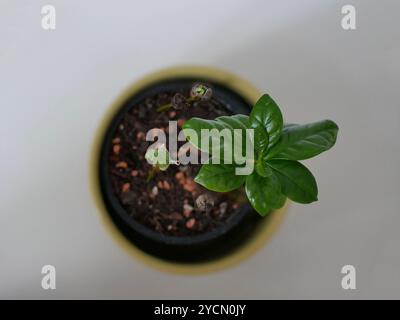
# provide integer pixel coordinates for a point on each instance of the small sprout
(201, 92)
(158, 157)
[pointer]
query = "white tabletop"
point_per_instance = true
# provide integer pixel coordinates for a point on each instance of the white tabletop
(56, 86)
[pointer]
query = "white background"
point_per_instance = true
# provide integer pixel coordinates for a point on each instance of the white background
(57, 85)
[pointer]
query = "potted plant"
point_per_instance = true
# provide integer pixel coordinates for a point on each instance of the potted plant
(198, 212)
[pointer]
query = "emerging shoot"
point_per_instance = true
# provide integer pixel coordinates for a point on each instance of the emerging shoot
(198, 92)
(159, 158)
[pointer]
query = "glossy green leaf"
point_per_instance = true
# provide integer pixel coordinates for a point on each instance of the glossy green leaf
(235, 125)
(299, 142)
(264, 193)
(296, 180)
(261, 139)
(261, 167)
(219, 177)
(266, 114)
(238, 121)
(277, 146)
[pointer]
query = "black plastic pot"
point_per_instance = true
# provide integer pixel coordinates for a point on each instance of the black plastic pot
(216, 243)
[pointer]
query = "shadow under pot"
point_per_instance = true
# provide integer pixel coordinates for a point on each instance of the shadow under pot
(164, 216)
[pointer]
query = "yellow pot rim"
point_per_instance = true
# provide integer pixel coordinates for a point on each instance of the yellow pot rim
(267, 227)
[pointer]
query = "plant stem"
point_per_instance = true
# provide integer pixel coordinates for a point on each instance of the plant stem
(151, 173)
(164, 107)
(169, 105)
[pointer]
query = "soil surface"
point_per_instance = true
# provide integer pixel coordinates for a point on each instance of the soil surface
(171, 202)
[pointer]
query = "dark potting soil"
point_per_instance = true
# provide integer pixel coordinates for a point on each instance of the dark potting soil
(171, 203)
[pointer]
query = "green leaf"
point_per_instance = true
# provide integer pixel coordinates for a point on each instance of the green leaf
(216, 143)
(266, 114)
(261, 139)
(237, 121)
(264, 193)
(296, 180)
(219, 177)
(300, 142)
(261, 167)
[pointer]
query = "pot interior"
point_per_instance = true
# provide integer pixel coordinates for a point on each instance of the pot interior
(217, 240)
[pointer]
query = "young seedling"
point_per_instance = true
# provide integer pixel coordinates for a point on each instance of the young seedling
(198, 92)
(160, 160)
(277, 173)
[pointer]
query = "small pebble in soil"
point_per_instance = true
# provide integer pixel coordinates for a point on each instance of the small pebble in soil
(163, 185)
(204, 202)
(190, 223)
(172, 114)
(187, 210)
(121, 127)
(116, 140)
(166, 185)
(134, 173)
(189, 185)
(180, 176)
(116, 148)
(121, 165)
(222, 207)
(140, 135)
(126, 187)
(154, 191)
